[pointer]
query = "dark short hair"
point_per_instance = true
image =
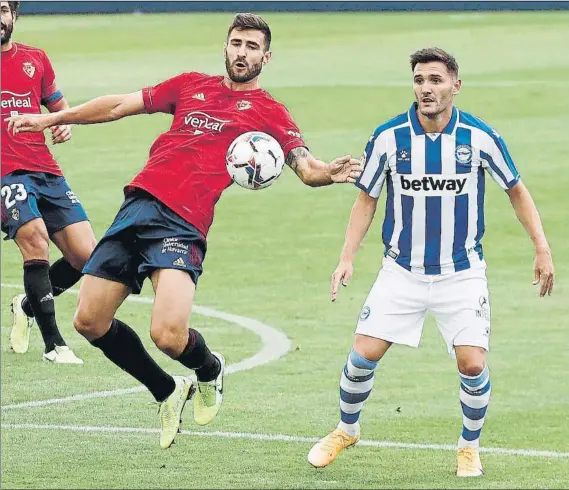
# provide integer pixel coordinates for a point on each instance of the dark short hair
(429, 55)
(14, 7)
(251, 21)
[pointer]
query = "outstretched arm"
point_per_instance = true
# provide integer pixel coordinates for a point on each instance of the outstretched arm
(526, 212)
(316, 173)
(102, 109)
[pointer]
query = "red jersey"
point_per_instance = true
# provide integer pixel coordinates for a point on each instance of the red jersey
(186, 168)
(28, 81)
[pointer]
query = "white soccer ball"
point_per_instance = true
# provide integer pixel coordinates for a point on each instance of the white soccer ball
(255, 160)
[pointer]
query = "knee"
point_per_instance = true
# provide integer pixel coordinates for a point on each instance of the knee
(79, 260)
(169, 337)
(470, 360)
(34, 244)
(81, 255)
(471, 367)
(370, 348)
(88, 325)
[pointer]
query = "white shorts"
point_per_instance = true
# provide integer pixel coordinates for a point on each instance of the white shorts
(399, 300)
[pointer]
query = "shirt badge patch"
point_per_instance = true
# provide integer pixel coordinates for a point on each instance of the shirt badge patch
(243, 105)
(464, 154)
(29, 69)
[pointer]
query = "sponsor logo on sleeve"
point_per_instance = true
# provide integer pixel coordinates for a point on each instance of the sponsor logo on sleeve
(296, 134)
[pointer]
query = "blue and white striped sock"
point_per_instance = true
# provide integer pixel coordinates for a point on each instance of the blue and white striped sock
(474, 399)
(356, 383)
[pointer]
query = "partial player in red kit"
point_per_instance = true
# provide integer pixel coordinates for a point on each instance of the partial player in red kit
(36, 203)
(160, 230)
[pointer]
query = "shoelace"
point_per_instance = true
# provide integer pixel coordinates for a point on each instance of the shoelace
(333, 438)
(469, 455)
(208, 388)
(64, 353)
(168, 415)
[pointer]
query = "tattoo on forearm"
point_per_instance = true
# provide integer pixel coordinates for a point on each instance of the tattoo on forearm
(295, 155)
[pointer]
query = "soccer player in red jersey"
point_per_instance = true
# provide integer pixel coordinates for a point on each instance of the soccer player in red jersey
(160, 230)
(36, 203)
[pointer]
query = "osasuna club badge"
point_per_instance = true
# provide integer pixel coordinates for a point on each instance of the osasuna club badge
(29, 69)
(243, 105)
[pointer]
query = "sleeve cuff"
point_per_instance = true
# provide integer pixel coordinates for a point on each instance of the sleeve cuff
(512, 183)
(53, 98)
(147, 99)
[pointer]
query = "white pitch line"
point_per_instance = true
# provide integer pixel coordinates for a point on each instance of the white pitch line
(286, 438)
(275, 345)
(74, 398)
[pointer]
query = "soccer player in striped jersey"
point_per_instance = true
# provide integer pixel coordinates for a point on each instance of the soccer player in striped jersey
(433, 159)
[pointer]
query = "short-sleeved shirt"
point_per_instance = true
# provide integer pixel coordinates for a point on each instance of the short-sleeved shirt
(434, 220)
(186, 169)
(28, 82)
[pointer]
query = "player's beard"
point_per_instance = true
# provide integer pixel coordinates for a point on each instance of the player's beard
(7, 32)
(253, 72)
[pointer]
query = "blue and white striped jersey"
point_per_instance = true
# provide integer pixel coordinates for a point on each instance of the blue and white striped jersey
(434, 218)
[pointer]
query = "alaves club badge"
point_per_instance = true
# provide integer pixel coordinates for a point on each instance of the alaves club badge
(463, 154)
(365, 313)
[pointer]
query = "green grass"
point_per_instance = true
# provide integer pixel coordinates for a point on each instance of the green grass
(340, 76)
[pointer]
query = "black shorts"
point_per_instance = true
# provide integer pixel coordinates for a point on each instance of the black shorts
(146, 235)
(29, 195)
